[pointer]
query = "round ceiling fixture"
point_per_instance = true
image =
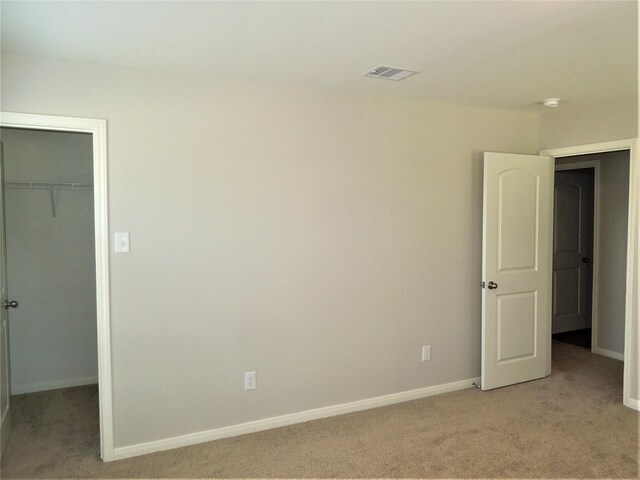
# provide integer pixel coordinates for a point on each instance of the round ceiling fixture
(551, 102)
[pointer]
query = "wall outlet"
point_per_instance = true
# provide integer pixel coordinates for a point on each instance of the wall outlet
(249, 380)
(426, 353)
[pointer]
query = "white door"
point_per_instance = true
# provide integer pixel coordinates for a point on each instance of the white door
(572, 249)
(516, 269)
(5, 388)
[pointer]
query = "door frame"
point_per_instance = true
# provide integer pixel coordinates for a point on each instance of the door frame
(633, 249)
(595, 263)
(98, 129)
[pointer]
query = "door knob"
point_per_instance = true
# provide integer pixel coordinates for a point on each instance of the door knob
(492, 285)
(11, 304)
(585, 260)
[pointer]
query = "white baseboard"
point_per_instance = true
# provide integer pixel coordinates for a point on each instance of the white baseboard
(283, 420)
(608, 353)
(632, 403)
(20, 388)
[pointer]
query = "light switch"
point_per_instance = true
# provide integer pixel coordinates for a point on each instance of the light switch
(122, 242)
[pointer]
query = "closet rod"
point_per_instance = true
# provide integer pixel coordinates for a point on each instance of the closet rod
(49, 186)
(53, 188)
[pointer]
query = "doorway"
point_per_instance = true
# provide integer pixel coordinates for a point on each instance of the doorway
(590, 245)
(50, 277)
(48, 182)
(96, 130)
(618, 296)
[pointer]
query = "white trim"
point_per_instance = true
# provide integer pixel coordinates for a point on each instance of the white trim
(290, 419)
(590, 148)
(630, 341)
(595, 262)
(577, 165)
(98, 129)
(31, 387)
(633, 403)
(608, 353)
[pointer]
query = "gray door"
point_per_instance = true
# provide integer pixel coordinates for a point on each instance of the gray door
(572, 250)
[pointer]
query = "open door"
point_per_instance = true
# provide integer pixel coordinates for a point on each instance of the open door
(516, 269)
(5, 379)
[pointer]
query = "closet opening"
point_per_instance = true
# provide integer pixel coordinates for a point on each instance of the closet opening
(50, 255)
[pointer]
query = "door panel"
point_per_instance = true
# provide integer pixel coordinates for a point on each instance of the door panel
(566, 204)
(566, 291)
(5, 378)
(572, 244)
(517, 239)
(516, 326)
(516, 308)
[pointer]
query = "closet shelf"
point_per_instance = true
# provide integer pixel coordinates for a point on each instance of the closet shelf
(53, 188)
(49, 186)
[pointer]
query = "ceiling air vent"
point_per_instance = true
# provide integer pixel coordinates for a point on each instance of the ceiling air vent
(389, 73)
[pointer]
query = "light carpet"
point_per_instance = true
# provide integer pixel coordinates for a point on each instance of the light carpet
(569, 425)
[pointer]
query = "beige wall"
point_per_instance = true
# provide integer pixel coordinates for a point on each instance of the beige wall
(603, 122)
(319, 239)
(614, 208)
(51, 261)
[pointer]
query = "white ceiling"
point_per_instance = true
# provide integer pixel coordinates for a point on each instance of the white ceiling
(507, 55)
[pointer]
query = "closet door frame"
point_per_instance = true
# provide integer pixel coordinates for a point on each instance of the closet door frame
(98, 129)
